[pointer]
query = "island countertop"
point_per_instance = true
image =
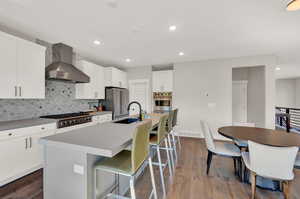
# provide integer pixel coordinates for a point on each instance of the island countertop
(106, 139)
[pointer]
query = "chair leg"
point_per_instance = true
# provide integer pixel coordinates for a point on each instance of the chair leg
(234, 164)
(161, 171)
(168, 157)
(132, 190)
(95, 183)
(209, 158)
(253, 184)
(171, 152)
(152, 178)
(286, 189)
(179, 142)
(174, 146)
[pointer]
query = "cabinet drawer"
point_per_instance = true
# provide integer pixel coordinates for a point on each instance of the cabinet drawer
(14, 133)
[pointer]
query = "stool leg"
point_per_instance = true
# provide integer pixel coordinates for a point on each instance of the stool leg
(132, 190)
(168, 157)
(152, 178)
(161, 171)
(95, 183)
(171, 152)
(174, 145)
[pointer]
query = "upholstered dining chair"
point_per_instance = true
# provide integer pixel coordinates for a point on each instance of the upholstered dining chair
(276, 163)
(225, 149)
(242, 143)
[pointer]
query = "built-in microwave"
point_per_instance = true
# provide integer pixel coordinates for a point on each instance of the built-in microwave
(162, 101)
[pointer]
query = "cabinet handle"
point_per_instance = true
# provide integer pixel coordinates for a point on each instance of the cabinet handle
(16, 91)
(30, 142)
(26, 143)
(20, 91)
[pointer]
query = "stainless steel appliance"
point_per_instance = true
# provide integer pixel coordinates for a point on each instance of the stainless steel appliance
(117, 100)
(70, 119)
(162, 101)
(62, 68)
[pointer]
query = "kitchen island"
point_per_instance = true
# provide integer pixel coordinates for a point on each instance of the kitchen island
(70, 156)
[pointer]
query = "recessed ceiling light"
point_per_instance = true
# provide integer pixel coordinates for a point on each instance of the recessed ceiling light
(172, 28)
(97, 42)
(128, 60)
(181, 53)
(277, 68)
(293, 5)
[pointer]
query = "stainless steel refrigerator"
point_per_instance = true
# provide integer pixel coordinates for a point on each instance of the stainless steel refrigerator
(117, 100)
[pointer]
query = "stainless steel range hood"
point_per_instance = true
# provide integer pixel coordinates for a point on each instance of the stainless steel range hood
(62, 68)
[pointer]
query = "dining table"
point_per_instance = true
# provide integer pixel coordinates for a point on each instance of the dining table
(270, 137)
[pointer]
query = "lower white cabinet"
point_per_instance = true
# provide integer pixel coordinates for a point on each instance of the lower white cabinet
(21, 152)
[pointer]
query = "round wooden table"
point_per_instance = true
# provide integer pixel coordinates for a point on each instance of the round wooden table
(260, 135)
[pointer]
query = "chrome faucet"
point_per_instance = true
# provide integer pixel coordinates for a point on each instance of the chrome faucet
(140, 107)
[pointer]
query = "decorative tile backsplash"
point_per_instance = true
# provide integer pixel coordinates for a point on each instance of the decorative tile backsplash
(60, 98)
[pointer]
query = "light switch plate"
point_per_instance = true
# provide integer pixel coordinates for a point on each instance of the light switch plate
(79, 169)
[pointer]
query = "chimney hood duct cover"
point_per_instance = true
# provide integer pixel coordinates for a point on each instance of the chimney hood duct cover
(62, 68)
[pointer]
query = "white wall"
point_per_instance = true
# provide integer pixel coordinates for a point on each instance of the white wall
(286, 93)
(194, 80)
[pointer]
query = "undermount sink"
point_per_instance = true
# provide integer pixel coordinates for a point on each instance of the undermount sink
(127, 121)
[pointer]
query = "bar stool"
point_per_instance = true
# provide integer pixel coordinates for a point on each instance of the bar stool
(128, 163)
(156, 139)
(174, 124)
(171, 139)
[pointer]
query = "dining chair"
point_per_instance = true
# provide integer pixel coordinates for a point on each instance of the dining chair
(128, 163)
(297, 163)
(275, 163)
(225, 149)
(242, 144)
(171, 138)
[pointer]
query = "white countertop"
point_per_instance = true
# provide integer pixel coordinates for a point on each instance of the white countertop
(106, 139)
(16, 124)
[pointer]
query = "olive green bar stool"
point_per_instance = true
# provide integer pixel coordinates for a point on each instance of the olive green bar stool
(156, 140)
(174, 124)
(171, 138)
(128, 163)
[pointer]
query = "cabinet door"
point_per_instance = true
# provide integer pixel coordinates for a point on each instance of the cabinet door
(30, 69)
(8, 66)
(100, 82)
(13, 156)
(86, 90)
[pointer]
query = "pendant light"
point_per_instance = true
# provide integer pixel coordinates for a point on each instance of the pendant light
(293, 5)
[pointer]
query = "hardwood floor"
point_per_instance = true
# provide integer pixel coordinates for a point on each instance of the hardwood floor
(189, 182)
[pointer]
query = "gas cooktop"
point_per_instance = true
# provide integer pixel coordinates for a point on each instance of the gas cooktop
(70, 119)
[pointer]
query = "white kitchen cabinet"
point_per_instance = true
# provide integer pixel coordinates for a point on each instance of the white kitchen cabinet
(115, 78)
(22, 71)
(21, 152)
(30, 69)
(162, 81)
(95, 88)
(8, 66)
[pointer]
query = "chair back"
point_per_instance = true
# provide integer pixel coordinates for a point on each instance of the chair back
(209, 140)
(273, 162)
(170, 121)
(140, 145)
(174, 122)
(162, 128)
(246, 124)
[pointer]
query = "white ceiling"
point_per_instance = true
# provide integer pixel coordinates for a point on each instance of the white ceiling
(138, 29)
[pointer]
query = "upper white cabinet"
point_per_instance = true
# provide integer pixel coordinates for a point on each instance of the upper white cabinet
(162, 81)
(115, 78)
(95, 88)
(22, 68)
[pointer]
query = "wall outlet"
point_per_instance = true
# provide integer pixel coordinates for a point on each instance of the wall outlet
(79, 169)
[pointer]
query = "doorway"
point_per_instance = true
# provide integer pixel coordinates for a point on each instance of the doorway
(239, 101)
(139, 91)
